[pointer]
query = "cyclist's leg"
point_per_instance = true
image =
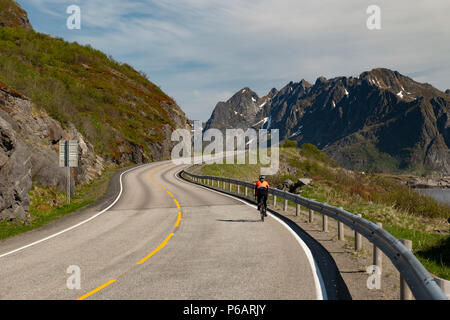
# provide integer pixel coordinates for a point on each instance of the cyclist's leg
(258, 195)
(265, 202)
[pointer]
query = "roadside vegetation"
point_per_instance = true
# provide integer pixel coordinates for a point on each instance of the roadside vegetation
(109, 102)
(403, 212)
(47, 204)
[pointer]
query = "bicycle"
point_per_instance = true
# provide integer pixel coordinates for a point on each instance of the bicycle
(262, 207)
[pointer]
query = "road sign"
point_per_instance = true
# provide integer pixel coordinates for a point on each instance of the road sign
(68, 153)
(68, 157)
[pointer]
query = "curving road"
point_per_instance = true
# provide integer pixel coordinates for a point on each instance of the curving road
(146, 247)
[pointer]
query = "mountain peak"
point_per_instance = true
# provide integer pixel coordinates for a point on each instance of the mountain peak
(384, 77)
(272, 93)
(244, 94)
(12, 15)
(305, 83)
(320, 80)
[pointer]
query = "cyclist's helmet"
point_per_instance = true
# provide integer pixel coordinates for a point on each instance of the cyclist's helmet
(262, 177)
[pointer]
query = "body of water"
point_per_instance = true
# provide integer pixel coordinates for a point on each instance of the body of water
(441, 195)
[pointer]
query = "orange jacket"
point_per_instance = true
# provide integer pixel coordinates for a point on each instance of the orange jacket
(260, 185)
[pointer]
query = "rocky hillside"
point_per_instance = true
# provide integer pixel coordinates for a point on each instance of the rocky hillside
(12, 15)
(29, 152)
(52, 90)
(380, 121)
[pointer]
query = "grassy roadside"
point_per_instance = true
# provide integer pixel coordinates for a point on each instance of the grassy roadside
(403, 213)
(46, 204)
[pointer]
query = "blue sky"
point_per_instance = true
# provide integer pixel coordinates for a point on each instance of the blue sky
(202, 51)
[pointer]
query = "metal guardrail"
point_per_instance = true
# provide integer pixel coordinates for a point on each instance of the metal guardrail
(419, 280)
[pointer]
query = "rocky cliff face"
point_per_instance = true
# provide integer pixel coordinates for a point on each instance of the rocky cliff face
(29, 146)
(15, 173)
(381, 121)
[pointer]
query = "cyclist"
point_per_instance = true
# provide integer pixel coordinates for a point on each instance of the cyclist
(262, 191)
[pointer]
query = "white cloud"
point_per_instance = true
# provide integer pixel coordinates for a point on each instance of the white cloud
(218, 46)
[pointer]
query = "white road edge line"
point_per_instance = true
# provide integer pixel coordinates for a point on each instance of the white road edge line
(321, 293)
(78, 224)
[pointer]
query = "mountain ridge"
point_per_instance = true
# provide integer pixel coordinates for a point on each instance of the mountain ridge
(380, 121)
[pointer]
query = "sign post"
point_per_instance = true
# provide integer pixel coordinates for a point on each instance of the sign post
(68, 157)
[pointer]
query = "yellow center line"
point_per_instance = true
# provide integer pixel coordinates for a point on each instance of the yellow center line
(157, 249)
(98, 289)
(170, 194)
(178, 220)
(162, 245)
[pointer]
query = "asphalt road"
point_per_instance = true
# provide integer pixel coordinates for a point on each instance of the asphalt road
(146, 247)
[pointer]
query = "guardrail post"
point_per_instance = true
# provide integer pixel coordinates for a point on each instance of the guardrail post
(223, 185)
(311, 216)
(285, 205)
(297, 209)
(341, 232)
(378, 254)
(238, 188)
(231, 186)
(405, 292)
(274, 200)
(358, 238)
(246, 191)
(324, 223)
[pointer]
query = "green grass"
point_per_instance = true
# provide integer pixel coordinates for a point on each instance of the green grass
(403, 212)
(47, 205)
(432, 250)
